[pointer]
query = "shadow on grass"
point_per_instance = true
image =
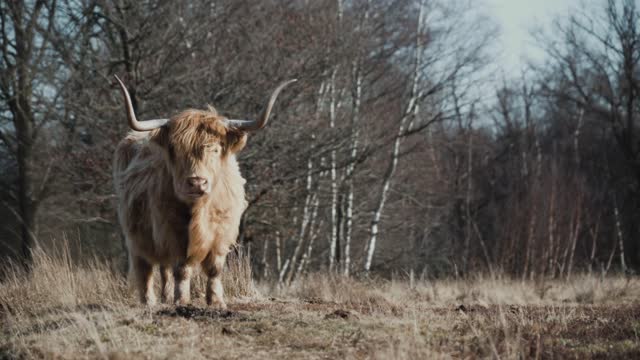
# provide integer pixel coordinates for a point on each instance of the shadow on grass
(195, 313)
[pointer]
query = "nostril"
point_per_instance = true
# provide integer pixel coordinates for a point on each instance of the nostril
(196, 181)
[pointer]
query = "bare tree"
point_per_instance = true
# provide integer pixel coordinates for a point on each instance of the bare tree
(30, 89)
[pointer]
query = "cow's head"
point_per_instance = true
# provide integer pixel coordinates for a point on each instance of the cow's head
(196, 143)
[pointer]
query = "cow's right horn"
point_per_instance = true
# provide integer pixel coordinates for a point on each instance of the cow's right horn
(131, 115)
(252, 125)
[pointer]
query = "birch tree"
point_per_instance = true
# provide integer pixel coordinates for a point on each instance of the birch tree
(333, 241)
(307, 214)
(409, 113)
(356, 94)
(333, 108)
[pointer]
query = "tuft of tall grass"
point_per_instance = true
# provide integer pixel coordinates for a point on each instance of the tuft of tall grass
(237, 277)
(54, 280)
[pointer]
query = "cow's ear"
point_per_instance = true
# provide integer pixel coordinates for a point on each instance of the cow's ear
(236, 140)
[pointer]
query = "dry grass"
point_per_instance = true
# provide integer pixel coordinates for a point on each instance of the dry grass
(64, 310)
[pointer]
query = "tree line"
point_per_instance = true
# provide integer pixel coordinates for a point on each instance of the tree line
(397, 150)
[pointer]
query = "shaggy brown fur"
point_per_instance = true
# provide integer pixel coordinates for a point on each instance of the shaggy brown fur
(164, 224)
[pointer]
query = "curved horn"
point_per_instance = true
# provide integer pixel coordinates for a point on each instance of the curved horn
(252, 125)
(131, 115)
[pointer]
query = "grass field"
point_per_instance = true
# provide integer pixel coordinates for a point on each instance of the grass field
(64, 311)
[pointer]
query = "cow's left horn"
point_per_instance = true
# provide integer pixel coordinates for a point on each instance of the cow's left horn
(131, 115)
(252, 125)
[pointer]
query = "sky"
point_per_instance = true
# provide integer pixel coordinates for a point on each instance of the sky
(516, 18)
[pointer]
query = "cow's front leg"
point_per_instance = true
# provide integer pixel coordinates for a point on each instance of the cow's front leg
(143, 274)
(213, 265)
(165, 277)
(182, 284)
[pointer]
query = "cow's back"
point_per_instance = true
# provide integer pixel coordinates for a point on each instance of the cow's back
(126, 151)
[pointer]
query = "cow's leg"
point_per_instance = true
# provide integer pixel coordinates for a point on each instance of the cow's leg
(165, 277)
(213, 265)
(182, 283)
(143, 274)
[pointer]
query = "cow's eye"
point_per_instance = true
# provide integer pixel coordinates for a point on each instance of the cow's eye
(212, 148)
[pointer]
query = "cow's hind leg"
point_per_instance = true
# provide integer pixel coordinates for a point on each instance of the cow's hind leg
(213, 265)
(182, 284)
(165, 277)
(143, 274)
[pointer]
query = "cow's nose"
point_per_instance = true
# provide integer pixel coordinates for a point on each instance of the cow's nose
(197, 183)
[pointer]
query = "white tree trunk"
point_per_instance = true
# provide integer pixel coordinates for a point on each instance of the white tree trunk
(334, 104)
(623, 263)
(357, 76)
(313, 234)
(306, 212)
(278, 253)
(371, 246)
(333, 241)
(265, 263)
(406, 121)
(283, 272)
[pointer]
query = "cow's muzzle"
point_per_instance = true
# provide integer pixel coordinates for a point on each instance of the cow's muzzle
(197, 186)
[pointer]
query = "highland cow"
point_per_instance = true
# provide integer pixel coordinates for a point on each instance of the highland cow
(181, 196)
